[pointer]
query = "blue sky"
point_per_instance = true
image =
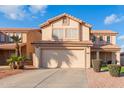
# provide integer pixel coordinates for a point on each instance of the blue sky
(101, 17)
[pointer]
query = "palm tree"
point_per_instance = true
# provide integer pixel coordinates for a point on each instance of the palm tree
(16, 40)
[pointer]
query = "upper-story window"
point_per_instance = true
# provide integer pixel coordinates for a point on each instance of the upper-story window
(108, 39)
(10, 40)
(57, 34)
(19, 35)
(2, 38)
(93, 38)
(71, 34)
(65, 34)
(101, 38)
(65, 21)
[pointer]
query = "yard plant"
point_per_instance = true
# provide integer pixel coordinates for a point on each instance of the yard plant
(97, 63)
(16, 40)
(114, 70)
(16, 62)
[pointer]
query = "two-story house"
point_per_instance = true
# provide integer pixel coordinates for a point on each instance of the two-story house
(104, 46)
(7, 46)
(70, 42)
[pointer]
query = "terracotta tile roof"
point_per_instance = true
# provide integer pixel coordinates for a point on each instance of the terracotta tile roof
(62, 15)
(85, 42)
(63, 43)
(103, 32)
(10, 46)
(110, 46)
(18, 29)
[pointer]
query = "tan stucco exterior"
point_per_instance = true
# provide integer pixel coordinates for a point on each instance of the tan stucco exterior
(83, 34)
(85, 52)
(76, 39)
(28, 36)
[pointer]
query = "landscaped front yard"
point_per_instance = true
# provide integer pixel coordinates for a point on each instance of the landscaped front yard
(6, 71)
(103, 79)
(105, 68)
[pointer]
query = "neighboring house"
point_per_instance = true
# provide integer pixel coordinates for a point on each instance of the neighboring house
(122, 58)
(70, 42)
(104, 46)
(7, 46)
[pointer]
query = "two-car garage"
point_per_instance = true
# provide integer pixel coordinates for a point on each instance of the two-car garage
(63, 58)
(61, 55)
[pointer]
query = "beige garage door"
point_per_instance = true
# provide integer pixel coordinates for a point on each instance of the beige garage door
(63, 58)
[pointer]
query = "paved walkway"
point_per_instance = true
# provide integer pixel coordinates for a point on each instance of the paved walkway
(47, 78)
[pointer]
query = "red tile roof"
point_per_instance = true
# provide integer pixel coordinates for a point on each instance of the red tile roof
(103, 32)
(110, 46)
(18, 29)
(10, 46)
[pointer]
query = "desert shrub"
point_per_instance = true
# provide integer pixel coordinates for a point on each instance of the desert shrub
(114, 70)
(16, 62)
(96, 64)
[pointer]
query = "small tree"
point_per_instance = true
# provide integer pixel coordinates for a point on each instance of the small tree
(16, 40)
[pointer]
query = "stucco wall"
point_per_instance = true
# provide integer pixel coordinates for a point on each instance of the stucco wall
(113, 39)
(88, 57)
(83, 30)
(47, 33)
(32, 36)
(85, 33)
(24, 37)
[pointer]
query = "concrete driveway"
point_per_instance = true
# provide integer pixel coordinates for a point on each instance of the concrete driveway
(47, 78)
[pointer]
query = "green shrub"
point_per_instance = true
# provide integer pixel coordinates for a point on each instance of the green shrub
(96, 64)
(114, 70)
(16, 62)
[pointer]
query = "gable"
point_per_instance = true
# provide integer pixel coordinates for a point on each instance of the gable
(59, 17)
(70, 22)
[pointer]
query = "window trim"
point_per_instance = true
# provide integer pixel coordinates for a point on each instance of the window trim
(109, 39)
(64, 36)
(9, 37)
(94, 38)
(101, 38)
(67, 21)
(20, 36)
(2, 38)
(73, 38)
(58, 38)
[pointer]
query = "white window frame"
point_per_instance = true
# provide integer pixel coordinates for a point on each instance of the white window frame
(9, 37)
(19, 35)
(2, 38)
(57, 32)
(109, 39)
(64, 34)
(71, 30)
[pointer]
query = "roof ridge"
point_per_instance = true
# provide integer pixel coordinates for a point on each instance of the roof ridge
(61, 15)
